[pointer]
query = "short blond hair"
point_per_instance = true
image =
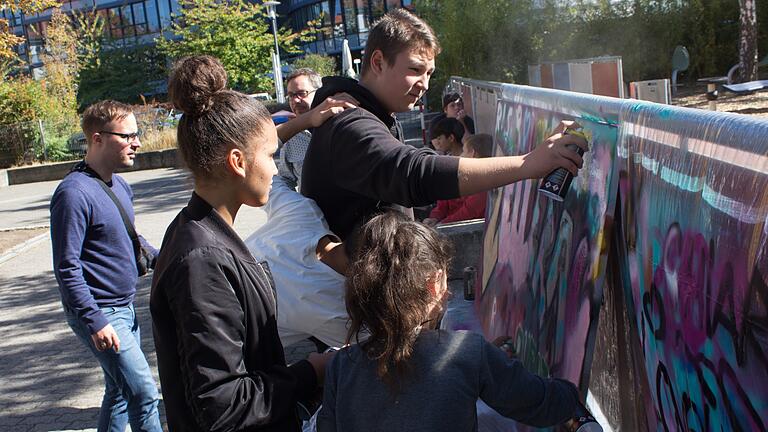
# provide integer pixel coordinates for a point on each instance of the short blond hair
(101, 113)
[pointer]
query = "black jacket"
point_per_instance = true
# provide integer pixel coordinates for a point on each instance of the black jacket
(355, 163)
(221, 362)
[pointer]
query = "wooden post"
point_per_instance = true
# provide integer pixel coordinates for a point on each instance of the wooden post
(711, 87)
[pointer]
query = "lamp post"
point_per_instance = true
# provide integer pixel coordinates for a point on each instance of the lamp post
(277, 72)
(357, 65)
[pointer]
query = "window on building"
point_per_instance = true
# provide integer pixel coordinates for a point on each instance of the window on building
(114, 23)
(338, 20)
(140, 18)
(127, 15)
(377, 9)
(362, 16)
(392, 4)
(36, 32)
(153, 19)
(350, 17)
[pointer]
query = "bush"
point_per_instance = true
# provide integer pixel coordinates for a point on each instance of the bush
(124, 74)
(160, 139)
(322, 64)
(24, 104)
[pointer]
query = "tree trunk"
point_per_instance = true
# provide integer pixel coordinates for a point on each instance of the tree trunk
(748, 40)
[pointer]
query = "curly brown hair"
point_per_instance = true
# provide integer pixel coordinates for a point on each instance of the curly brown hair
(386, 292)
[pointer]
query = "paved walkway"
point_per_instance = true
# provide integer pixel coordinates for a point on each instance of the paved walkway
(49, 381)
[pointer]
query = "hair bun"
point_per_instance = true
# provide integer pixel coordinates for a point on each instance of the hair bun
(193, 83)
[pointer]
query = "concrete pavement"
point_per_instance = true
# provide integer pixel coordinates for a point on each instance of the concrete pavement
(49, 381)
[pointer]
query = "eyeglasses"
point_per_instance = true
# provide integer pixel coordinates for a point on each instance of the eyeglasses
(301, 94)
(129, 137)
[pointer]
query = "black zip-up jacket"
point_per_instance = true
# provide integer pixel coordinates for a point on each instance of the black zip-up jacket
(213, 307)
(356, 164)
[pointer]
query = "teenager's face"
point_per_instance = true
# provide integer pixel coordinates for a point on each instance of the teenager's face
(443, 143)
(404, 81)
(261, 166)
(454, 109)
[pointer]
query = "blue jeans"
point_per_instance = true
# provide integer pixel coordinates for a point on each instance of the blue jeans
(131, 394)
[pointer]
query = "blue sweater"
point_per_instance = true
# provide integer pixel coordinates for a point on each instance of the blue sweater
(93, 257)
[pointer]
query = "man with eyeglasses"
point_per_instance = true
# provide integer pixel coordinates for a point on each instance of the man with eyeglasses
(94, 261)
(301, 86)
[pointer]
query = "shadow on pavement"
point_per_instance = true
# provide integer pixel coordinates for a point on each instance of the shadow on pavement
(171, 188)
(50, 380)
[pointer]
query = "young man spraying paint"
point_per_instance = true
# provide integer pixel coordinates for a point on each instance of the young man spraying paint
(356, 165)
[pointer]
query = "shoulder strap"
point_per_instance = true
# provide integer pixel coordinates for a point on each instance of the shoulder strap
(123, 214)
(83, 167)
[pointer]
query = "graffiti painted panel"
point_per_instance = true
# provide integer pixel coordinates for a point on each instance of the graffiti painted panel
(694, 193)
(543, 261)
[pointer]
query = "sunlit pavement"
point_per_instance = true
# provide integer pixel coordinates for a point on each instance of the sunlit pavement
(49, 381)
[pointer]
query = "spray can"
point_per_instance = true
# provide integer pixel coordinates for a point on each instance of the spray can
(583, 421)
(556, 184)
(469, 283)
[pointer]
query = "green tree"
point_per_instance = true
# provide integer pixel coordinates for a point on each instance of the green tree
(748, 40)
(8, 40)
(61, 61)
(122, 73)
(322, 64)
(237, 32)
(497, 39)
(481, 39)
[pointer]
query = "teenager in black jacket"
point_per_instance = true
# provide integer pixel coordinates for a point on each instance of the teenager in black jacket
(356, 163)
(213, 307)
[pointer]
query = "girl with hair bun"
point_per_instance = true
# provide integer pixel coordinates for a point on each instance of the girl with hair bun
(221, 363)
(408, 376)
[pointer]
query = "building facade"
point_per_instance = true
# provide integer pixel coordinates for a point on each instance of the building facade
(130, 22)
(336, 20)
(127, 23)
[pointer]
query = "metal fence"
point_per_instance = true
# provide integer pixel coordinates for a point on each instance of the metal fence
(39, 141)
(413, 128)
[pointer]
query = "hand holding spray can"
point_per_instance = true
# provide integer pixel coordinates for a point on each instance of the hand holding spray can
(556, 184)
(583, 421)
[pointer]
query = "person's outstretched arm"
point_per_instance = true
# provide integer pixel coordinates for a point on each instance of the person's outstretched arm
(480, 175)
(507, 387)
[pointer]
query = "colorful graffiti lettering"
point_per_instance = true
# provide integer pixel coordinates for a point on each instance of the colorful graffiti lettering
(697, 290)
(542, 278)
(692, 248)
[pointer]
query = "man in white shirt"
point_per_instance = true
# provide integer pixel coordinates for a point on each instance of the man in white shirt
(307, 262)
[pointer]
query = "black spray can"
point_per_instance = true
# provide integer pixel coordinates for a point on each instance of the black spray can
(556, 184)
(469, 283)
